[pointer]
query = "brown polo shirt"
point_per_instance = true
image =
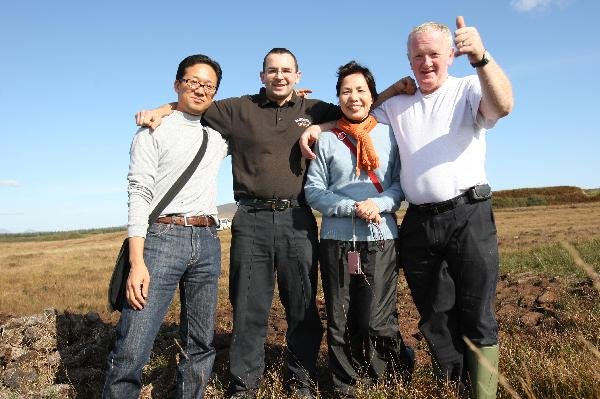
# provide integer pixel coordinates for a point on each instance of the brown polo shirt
(263, 142)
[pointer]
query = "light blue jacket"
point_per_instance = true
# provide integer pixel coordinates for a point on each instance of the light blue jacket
(332, 186)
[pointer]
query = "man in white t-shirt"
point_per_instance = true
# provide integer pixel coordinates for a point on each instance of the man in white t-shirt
(448, 241)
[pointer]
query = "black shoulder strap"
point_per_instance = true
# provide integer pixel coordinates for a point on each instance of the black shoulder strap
(185, 176)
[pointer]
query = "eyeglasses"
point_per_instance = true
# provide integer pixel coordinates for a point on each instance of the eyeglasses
(283, 71)
(195, 85)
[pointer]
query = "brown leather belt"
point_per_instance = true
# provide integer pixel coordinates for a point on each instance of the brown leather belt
(200, 221)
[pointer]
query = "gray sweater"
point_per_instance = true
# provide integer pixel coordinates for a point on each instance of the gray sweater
(157, 160)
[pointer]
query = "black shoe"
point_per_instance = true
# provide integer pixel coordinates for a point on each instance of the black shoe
(407, 365)
(348, 392)
(250, 394)
(303, 393)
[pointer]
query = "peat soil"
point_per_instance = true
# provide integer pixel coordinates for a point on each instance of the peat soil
(63, 355)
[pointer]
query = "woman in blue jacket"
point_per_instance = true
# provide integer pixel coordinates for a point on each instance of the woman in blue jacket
(355, 183)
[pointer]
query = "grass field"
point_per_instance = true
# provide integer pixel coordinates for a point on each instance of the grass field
(547, 345)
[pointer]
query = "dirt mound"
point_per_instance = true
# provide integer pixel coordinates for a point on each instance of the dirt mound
(52, 355)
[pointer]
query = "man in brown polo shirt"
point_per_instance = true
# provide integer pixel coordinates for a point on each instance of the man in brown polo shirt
(274, 233)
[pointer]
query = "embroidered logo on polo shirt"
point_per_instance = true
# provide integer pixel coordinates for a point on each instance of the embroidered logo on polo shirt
(303, 122)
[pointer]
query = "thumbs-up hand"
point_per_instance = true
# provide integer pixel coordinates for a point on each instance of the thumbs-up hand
(468, 41)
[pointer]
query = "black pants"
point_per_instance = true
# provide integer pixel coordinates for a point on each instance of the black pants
(269, 246)
(362, 322)
(451, 265)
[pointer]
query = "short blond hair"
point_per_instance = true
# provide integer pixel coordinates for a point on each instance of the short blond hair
(430, 27)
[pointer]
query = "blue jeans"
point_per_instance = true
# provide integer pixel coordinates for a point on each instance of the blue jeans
(190, 257)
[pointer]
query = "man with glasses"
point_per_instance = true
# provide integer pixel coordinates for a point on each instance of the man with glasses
(274, 233)
(180, 248)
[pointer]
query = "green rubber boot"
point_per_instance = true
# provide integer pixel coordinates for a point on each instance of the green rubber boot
(484, 382)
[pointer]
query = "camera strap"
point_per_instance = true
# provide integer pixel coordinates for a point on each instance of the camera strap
(343, 137)
(353, 231)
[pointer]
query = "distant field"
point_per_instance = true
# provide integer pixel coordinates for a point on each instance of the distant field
(72, 273)
(517, 198)
(57, 235)
(560, 195)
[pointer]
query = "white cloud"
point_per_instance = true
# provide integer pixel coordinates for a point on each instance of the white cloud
(9, 183)
(531, 5)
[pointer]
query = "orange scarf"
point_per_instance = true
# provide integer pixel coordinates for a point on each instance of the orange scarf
(366, 157)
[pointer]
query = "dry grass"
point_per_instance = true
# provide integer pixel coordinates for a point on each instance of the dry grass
(68, 274)
(521, 229)
(558, 361)
(588, 269)
(552, 365)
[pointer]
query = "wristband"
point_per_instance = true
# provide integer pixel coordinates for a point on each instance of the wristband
(487, 57)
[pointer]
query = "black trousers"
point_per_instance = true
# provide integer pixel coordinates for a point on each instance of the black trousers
(451, 265)
(268, 247)
(362, 322)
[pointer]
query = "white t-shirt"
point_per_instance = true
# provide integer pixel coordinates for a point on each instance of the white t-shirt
(441, 139)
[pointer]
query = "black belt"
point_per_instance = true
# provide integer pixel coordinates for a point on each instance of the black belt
(435, 208)
(274, 204)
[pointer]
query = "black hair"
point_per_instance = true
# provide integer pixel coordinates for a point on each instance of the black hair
(280, 50)
(199, 59)
(354, 67)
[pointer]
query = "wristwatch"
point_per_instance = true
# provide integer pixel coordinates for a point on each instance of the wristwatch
(487, 57)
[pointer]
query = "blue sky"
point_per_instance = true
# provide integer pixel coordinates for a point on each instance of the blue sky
(73, 73)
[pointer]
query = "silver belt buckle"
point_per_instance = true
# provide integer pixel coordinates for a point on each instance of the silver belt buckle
(280, 205)
(185, 222)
